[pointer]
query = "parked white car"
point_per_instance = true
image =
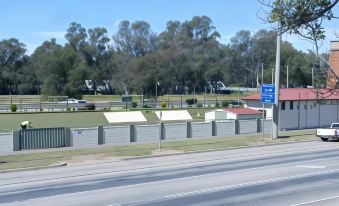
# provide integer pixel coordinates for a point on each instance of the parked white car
(331, 133)
(74, 101)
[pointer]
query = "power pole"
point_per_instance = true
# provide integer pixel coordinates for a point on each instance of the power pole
(312, 77)
(262, 74)
(275, 106)
(273, 75)
(287, 76)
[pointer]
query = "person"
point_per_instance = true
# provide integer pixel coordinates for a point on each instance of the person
(25, 124)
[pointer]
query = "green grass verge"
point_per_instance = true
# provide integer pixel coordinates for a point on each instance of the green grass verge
(47, 158)
(57, 119)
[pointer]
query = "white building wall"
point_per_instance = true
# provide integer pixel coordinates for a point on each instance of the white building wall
(257, 105)
(309, 114)
(328, 113)
(231, 115)
(290, 115)
(210, 116)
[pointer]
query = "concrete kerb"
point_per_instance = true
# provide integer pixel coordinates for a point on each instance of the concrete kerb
(33, 168)
(211, 150)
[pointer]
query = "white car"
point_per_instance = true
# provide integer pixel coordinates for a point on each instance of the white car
(74, 101)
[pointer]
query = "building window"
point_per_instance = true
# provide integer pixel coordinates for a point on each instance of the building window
(311, 106)
(283, 105)
(291, 105)
(298, 107)
(305, 106)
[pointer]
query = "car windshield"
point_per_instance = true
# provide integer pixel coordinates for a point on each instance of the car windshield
(335, 126)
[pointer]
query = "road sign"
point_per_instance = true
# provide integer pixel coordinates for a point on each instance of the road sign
(267, 93)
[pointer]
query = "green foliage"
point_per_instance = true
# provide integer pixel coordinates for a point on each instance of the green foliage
(224, 104)
(199, 105)
(217, 105)
(13, 107)
(137, 58)
(134, 105)
(163, 104)
(191, 101)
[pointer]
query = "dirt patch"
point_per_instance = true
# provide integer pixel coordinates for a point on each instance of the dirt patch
(90, 159)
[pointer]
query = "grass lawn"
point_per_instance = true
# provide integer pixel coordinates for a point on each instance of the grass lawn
(41, 159)
(43, 120)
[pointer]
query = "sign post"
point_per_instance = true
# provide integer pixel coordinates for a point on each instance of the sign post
(267, 96)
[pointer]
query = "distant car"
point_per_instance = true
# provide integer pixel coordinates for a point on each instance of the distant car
(74, 101)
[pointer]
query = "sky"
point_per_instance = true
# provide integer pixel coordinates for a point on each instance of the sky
(35, 21)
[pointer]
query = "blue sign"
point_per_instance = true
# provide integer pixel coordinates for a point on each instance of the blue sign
(267, 93)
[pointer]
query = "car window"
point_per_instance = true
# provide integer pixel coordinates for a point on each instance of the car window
(335, 126)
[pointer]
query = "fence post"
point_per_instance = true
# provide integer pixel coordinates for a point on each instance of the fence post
(258, 125)
(132, 135)
(214, 128)
(101, 135)
(189, 130)
(236, 127)
(16, 140)
(162, 131)
(68, 137)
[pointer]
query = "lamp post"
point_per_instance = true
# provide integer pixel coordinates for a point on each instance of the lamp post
(156, 93)
(275, 106)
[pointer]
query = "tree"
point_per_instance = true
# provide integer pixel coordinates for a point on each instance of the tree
(303, 18)
(11, 61)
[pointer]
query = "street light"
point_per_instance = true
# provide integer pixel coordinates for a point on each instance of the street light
(156, 92)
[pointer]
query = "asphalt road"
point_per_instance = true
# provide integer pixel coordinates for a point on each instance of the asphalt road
(288, 174)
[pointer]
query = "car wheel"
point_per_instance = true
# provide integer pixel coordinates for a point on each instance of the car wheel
(324, 139)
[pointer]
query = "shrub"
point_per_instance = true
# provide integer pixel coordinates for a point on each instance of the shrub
(224, 103)
(163, 104)
(13, 107)
(68, 109)
(191, 101)
(199, 105)
(146, 106)
(134, 105)
(217, 105)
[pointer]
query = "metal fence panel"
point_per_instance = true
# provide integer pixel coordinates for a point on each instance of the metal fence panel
(6, 142)
(175, 131)
(147, 133)
(248, 126)
(225, 128)
(201, 130)
(83, 137)
(42, 138)
(118, 135)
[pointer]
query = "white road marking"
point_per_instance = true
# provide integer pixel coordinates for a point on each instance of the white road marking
(192, 177)
(315, 201)
(247, 184)
(311, 166)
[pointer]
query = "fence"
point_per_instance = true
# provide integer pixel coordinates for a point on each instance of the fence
(125, 135)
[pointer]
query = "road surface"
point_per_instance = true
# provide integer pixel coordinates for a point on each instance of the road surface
(294, 174)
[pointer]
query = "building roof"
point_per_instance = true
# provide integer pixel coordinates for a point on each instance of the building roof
(288, 94)
(242, 111)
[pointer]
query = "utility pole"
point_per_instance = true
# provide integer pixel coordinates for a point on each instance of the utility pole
(287, 76)
(262, 74)
(275, 106)
(273, 75)
(312, 77)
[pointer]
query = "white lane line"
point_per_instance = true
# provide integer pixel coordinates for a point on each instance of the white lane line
(187, 178)
(311, 166)
(315, 201)
(247, 184)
